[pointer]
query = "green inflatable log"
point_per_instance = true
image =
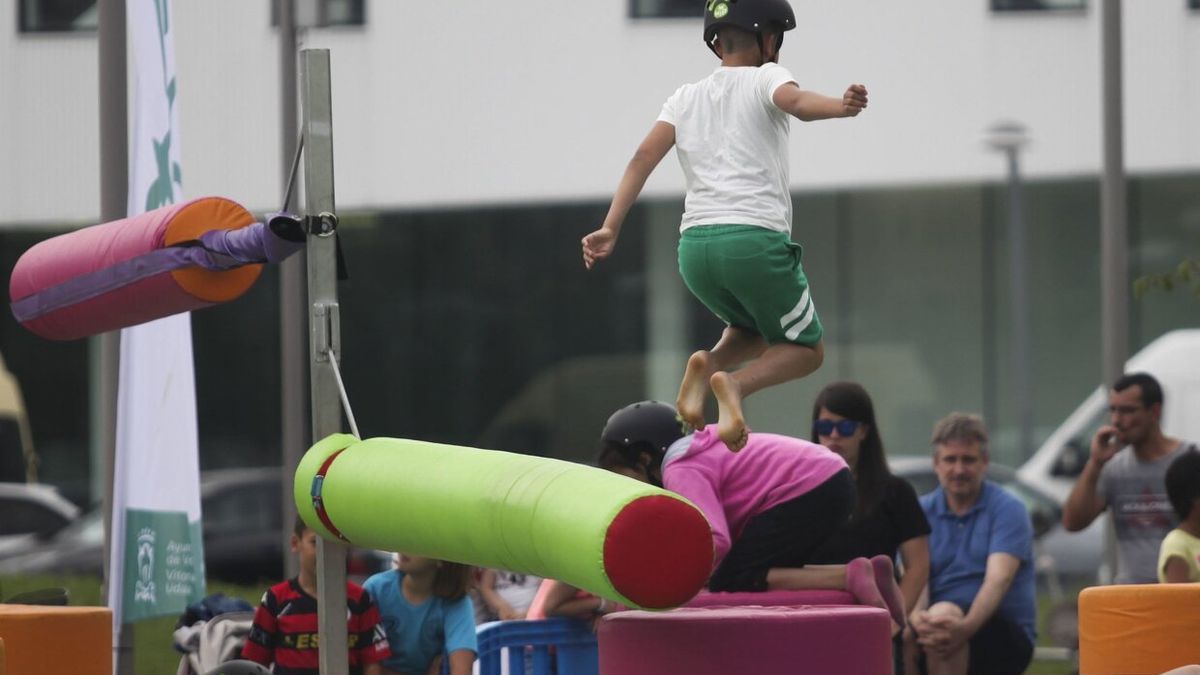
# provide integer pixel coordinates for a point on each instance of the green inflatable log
(610, 535)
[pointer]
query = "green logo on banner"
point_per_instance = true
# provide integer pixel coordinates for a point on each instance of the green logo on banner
(162, 190)
(164, 564)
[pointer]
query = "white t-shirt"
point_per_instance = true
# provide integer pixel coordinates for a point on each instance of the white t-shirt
(731, 140)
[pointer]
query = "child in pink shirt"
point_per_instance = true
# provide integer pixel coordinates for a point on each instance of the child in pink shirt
(769, 505)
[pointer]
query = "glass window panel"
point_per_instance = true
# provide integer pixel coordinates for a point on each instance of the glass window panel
(44, 16)
(643, 9)
(324, 13)
(1164, 229)
(1035, 5)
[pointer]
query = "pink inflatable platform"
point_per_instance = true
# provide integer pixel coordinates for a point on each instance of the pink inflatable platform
(762, 640)
(772, 599)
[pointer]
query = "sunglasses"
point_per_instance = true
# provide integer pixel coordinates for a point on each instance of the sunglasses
(844, 427)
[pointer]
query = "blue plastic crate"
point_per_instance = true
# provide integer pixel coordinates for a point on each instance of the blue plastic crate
(555, 646)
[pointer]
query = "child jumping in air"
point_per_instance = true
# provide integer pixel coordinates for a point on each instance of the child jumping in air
(736, 255)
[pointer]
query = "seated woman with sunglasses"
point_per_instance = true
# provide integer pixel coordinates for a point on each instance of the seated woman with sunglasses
(887, 517)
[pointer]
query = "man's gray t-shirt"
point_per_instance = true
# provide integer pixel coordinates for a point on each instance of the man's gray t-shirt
(1136, 496)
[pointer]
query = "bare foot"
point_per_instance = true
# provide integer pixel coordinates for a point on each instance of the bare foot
(860, 581)
(885, 581)
(731, 425)
(693, 389)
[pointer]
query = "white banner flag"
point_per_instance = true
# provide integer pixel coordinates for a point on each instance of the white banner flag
(157, 558)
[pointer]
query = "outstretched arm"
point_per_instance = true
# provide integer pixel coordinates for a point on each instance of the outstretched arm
(809, 106)
(599, 244)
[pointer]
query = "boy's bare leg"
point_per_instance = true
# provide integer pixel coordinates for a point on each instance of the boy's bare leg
(781, 362)
(735, 346)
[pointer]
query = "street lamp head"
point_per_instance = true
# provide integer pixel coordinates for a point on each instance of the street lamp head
(1007, 135)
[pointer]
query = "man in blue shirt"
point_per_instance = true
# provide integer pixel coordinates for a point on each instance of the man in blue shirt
(982, 610)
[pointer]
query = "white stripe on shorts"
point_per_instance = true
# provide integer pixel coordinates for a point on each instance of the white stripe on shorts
(809, 313)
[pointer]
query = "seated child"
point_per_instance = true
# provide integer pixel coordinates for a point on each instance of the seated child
(1179, 553)
(507, 595)
(425, 610)
(285, 627)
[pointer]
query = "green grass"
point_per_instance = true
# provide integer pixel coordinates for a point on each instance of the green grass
(153, 654)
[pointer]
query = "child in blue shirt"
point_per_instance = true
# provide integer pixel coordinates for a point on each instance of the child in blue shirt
(424, 609)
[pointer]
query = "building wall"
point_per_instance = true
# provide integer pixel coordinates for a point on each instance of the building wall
(459, 102)
(475, 143)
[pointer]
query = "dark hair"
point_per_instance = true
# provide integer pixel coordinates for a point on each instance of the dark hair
(1183, 482)
(871, 473)
(1151, 390)
(299, 526)
(734, 39)
(637, 456)
(452, 580)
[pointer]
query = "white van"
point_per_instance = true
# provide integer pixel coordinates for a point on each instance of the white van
(1173, 359)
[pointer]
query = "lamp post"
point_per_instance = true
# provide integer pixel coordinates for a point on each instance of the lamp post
(1010, 137)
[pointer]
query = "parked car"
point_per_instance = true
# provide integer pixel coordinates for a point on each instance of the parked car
(32, 513)
(1068, 555)
(18, 461)
(244, 536)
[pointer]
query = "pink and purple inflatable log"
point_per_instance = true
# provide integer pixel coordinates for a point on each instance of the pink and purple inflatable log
(175, 259)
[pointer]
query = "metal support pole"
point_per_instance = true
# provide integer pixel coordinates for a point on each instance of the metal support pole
(1009, 138)
(1022, 349)
(293, 317)
(323, 336)
(114, 204)
(1114, 231)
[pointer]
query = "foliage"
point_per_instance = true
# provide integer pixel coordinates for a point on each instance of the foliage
(1186, 273)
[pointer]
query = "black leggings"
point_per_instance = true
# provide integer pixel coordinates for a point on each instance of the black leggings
(785, 535)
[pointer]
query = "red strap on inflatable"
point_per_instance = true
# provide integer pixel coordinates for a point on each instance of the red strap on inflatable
(318, 503)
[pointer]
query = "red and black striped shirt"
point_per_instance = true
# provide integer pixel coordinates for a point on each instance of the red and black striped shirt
(285, 630)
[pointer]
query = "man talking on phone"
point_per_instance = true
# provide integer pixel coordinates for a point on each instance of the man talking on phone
(1125, 474)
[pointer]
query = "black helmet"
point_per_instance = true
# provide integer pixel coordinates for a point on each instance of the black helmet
(752, 15)
(239, 667)
(650, 422)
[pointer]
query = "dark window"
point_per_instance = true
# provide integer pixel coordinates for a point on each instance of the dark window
(24, 517)
(321, 13)
(253, 507)
(1035, 5)
(56, 16)
(644, 9)
(12, 451)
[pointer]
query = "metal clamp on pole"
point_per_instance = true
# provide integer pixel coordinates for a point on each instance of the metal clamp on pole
(323, 224)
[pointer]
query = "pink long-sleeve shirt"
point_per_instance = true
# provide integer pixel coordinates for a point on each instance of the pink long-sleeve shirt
(731, 488)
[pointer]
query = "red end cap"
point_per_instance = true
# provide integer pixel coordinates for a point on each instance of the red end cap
(658, 551)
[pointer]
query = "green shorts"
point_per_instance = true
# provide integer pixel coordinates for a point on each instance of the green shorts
(751, 278)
